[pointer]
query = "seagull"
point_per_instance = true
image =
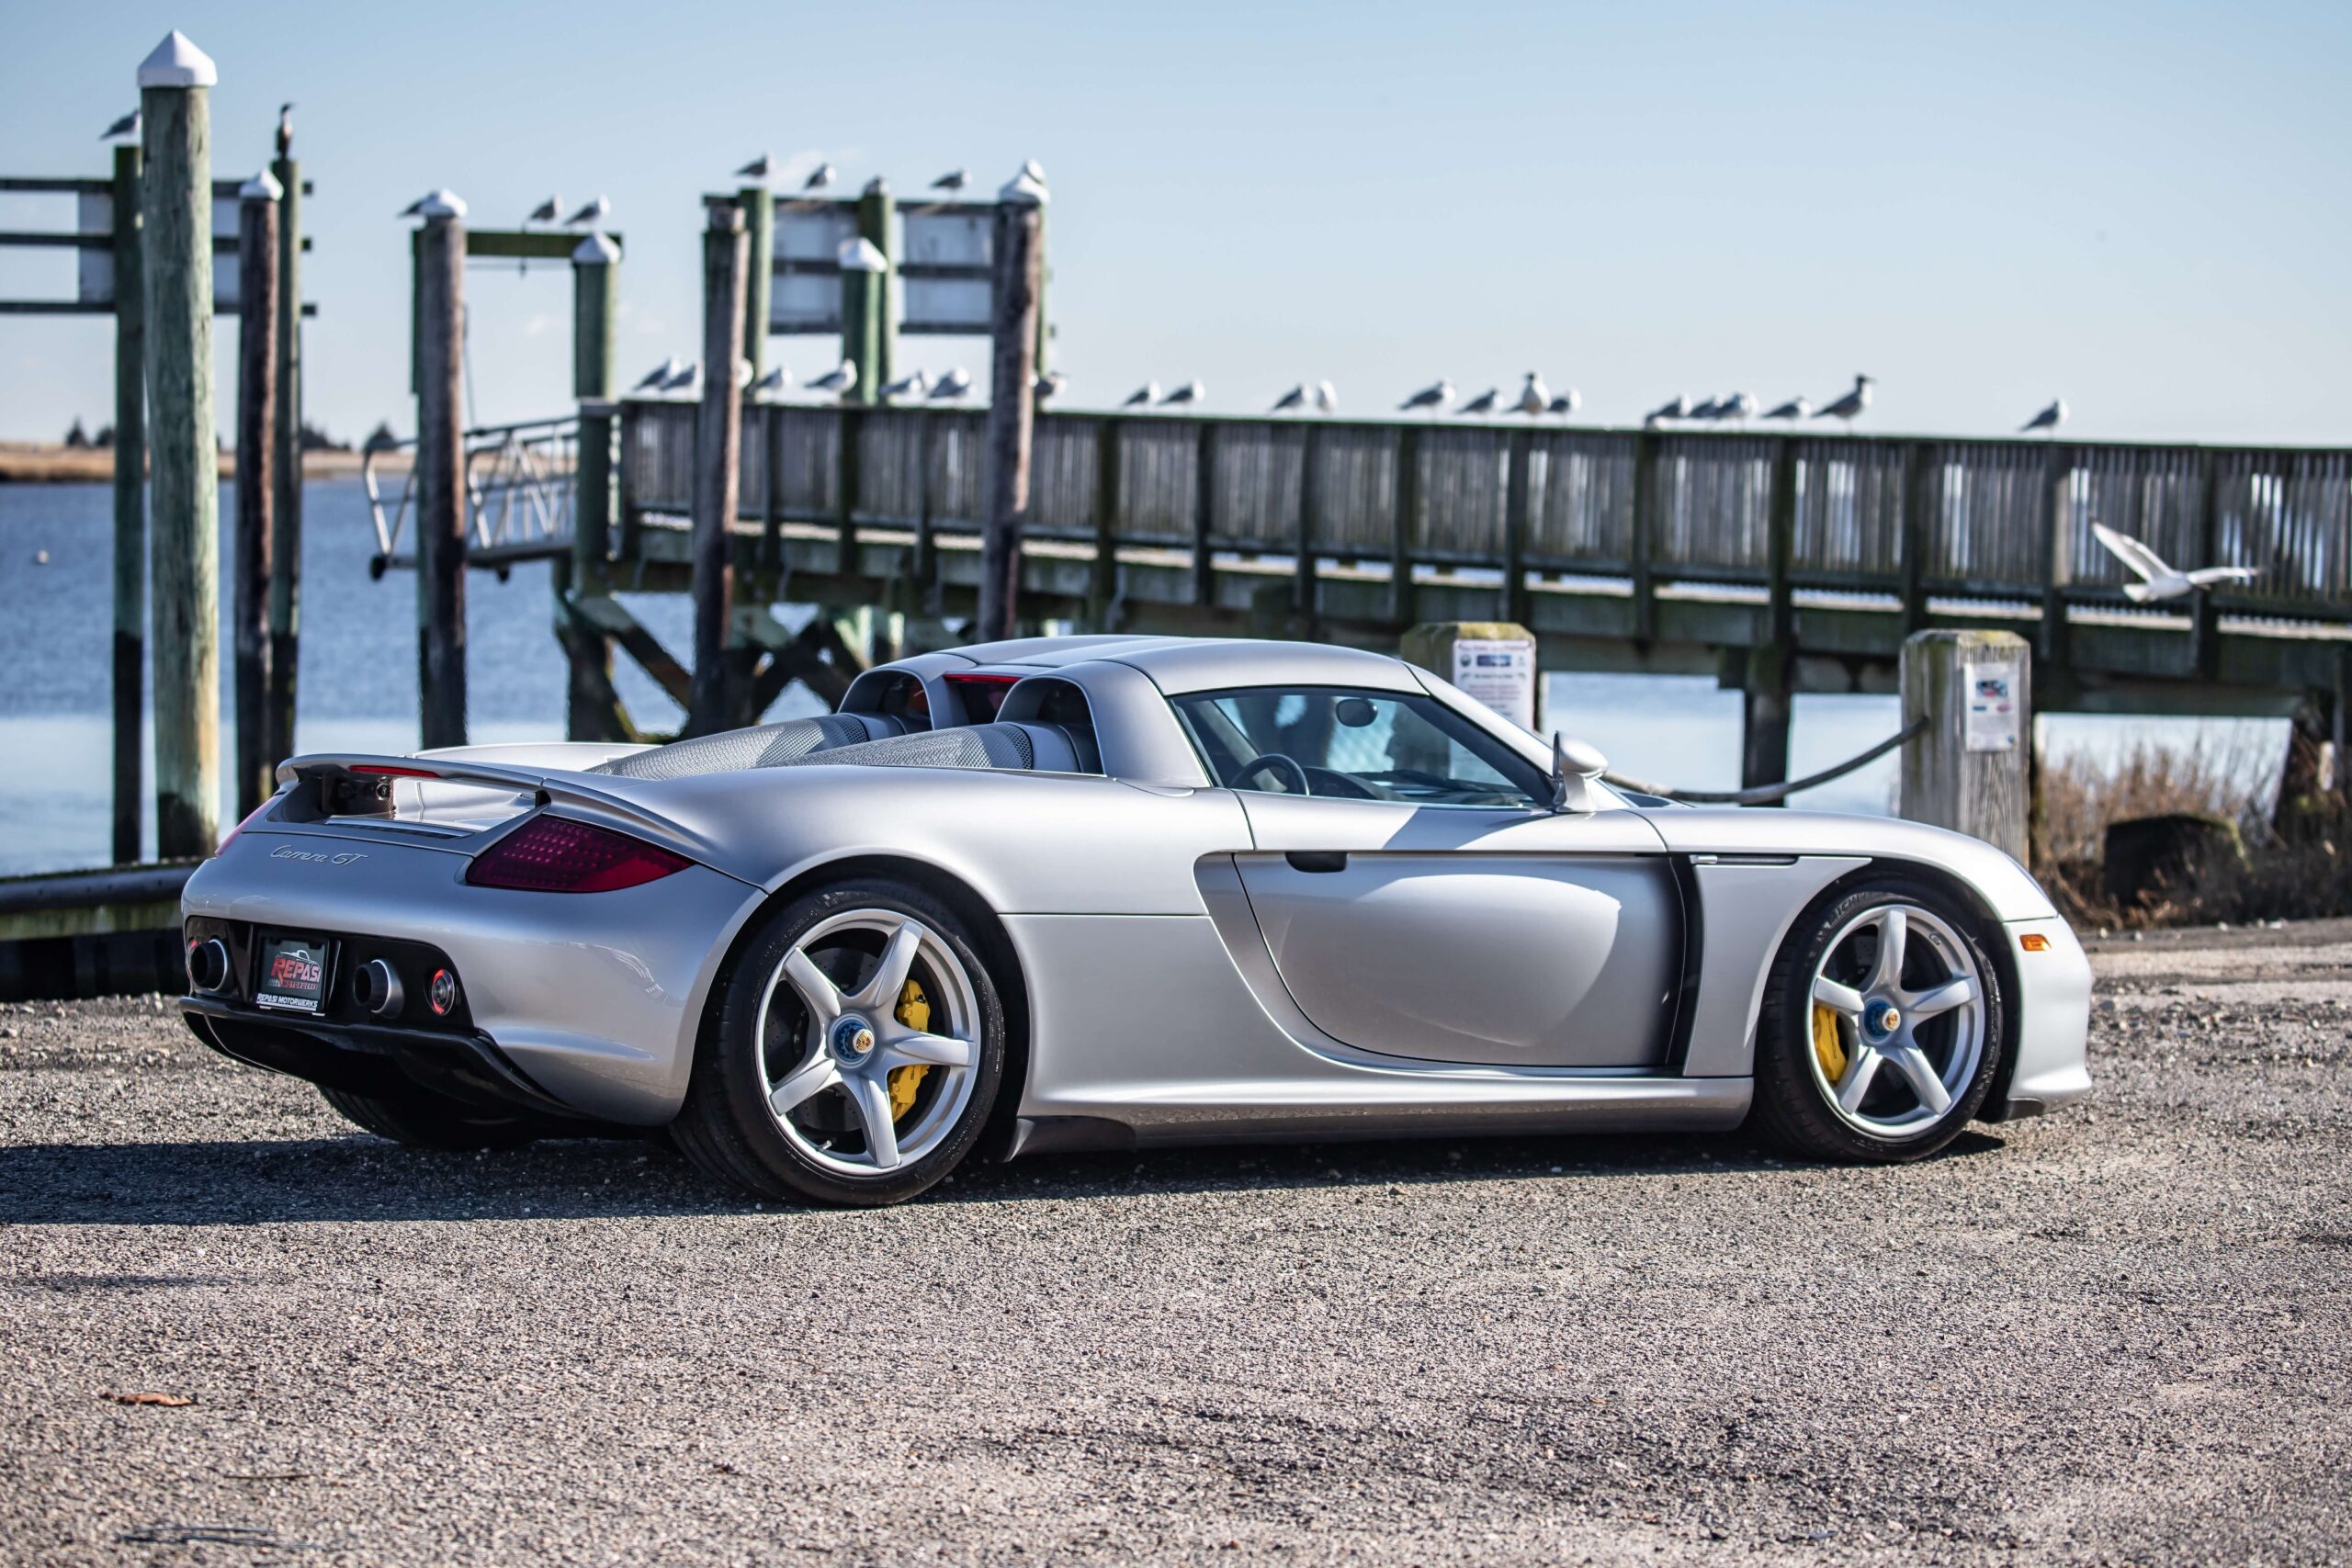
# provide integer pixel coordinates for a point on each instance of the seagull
(818, 178)
(842, 379)
(595, 212)
(285, 130)
(2049, 419)
(1534, 397)
(954, 179)
(416, 209)
(1484, 403)
(2159, 581)
(1433, 397)
(1048, 385)
(545, 212)
(1795, 408)
(957, 383)
(1853, 403)
(776, 381)
(1327, 398)
(1567, 402)
(1190, 392)
(742, 374)
(1294, 399)
(127, 127)
(658, 374)
(762, 168)
(1034, 169)
(1143, 396)
(684, 378)
(1711, 409)
(1677, 408)
(1739, 405)
(912, 385)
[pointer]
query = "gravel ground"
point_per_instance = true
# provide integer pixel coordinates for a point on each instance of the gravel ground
(2117, 1333)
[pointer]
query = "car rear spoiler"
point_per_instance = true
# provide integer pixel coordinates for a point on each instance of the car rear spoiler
(348, 786)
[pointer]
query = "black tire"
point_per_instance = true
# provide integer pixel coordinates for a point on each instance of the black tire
(1794, 1106)
(726, 1126)
(429, 1121)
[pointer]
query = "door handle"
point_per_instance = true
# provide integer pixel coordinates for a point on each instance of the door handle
(1317, 860)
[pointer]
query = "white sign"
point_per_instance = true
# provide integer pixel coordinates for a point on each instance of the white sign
(1499, 672)
(806, 296)
(1991, 698)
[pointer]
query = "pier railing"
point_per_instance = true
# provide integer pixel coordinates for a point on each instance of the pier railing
(1906, 515)
(519, 490)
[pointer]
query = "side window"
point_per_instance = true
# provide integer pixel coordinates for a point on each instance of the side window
(1355, 746)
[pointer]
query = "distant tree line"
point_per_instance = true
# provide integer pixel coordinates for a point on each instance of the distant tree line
(314, 438)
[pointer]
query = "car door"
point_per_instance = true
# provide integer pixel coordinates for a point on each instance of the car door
(1472, 935)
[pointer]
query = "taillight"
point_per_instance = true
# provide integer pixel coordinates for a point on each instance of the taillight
(554, 854)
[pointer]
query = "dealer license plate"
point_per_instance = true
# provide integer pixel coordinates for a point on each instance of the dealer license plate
(293, 973)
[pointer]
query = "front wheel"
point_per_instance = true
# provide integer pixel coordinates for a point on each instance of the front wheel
(1881, 1031)
(855, 1052)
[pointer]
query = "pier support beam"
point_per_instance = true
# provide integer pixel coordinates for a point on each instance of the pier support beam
(440, 472)
(286, 504)
(176, 207)
(1013, 391)
(129, 512)
(719, 455)
(257, 485)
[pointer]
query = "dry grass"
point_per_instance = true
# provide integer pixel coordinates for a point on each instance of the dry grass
(2302, 874)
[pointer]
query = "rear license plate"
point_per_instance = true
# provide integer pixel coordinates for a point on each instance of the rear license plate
(293, 973)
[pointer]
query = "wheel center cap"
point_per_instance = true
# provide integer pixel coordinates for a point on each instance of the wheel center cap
(1881, 1019)
(852, 1040)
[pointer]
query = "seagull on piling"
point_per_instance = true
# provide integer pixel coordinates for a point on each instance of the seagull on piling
(1294, 399)
(655, 377)
(590, 215)
(1433, 397)
(842, 379)
(2049, 419)
(818, 178)
(957, 383)
(545, 212)
(416, 209)
(1034, 169)
(779, 378)
(2159, 581)
(1795, 408)
(762, 168)
(1567, 402)
(1534, 397)
(1680, 408)
(121, 130)
(914, 384)
(1185, 396)
(285, 130)
(953, 180)
(1853, 403)
(1143, 396)
(1048, 385)
(1327, 398)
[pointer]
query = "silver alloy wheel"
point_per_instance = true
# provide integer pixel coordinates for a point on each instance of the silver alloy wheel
(1908, 1009)
(851, 1041)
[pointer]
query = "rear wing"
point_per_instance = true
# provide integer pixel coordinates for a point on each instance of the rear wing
(453, 797)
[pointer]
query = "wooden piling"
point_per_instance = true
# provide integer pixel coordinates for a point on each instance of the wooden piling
(441, 508)
(1203, 514)
(1304, 599)
(1103, 581)
(257, 322)
(129, 511)
(1519, 461)
(718, 452)
(759, 233)
(1968, 769)
(878, 355)
(1644, 522)
(1020, 224)
(1766, 704)
(175, 209)
(592, 708)
(286, 502)
(2056, 524)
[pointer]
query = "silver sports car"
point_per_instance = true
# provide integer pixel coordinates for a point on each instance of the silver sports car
(1097, 892)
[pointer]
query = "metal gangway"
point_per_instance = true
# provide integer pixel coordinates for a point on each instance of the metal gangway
(519, 494)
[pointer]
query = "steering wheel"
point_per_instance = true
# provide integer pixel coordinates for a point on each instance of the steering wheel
(1271, 763)
(1329, 781)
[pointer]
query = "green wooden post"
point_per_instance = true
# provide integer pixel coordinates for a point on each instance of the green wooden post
(1920, 493)
(1012, 402)
(590, 708)
(865, 297)
(130, 510)
(873, 225)
(257, 320)
(718, 452)
(1402, 528)
(758, 228)
(1205, 515)
(441, 503)
(286, 505)
(175, 203)
(1645, 457)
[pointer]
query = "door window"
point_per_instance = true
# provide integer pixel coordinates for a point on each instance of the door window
(1329, 741)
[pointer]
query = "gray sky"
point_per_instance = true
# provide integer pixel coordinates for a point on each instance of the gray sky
(2140, 208)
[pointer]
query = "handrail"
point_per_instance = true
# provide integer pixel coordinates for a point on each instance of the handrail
(1763, 793)
(531, 458)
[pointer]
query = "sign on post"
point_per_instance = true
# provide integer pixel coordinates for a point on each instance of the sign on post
(1491, 661)
(1971, 693)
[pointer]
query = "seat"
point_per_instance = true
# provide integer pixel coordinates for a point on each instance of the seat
(1001, 747)
(762, 746)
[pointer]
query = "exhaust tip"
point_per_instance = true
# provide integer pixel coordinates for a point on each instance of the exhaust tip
(379, 986)
(207, 965)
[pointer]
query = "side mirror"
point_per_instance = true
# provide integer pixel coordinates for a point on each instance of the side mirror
(1576, 767)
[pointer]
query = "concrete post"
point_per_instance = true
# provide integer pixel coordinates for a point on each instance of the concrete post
(1969, 769)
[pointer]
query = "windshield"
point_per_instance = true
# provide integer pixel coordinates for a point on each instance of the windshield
(1354, 745)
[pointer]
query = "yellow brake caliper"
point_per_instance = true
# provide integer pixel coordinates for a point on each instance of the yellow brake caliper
(1828, 1048)
(914, 1011)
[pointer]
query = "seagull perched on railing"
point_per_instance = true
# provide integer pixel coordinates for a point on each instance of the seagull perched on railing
(1484, 403)
(1795, 408)
(123, 129)
(1191, 392)
(590, 215)
(2158, 579)
(776, 381)
(818, 178)
(1853, 403)
(1534, 397)
(842, 379)
(1048, 386)
(2049, 419)
(685, 377)
(914, 384)
(652, 378)
(1143, 396)
(1677, 408)
(1433, 397)
(1711, 409)
(545, 212)
(1294, 399)
(1739, 405)
(1327, 398)
(1567, 402)
(957, 383)
(762, 168)
(953, 180)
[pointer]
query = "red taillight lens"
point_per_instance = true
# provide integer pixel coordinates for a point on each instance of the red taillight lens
(553, 854)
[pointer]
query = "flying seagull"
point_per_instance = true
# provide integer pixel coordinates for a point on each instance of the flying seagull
(1534, 397)
(957, 383)
(545, 212)
(594, 213)
(1853, 403)
(954, 179)
(1680, 408)
(655, 377)
(762, 168)
(1048, 385)
(1143, 396)
(1327, 398)
(1795, 408)
(1294, 399)
(2049, 419)
(776, 381)
(912, 385)
(2159, 581)
(128, 125)
(1484, 403)
(818, 178)
(842, 379)
(1190, 392)
(1567, 402)
(1432, 397)
(285, 130)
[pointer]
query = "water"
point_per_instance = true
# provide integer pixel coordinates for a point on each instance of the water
(359, 679)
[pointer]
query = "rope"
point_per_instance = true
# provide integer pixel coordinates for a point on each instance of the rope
(1761, 794)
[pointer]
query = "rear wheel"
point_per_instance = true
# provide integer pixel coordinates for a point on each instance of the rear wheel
(855, 1052)
(430, 1121)
(1881, 1031)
